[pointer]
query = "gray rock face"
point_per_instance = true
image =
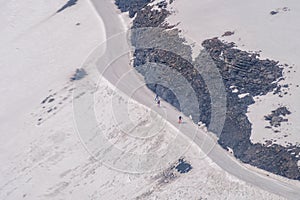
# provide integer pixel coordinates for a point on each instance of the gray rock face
(149, 17)
(67, 5)
(131, 6)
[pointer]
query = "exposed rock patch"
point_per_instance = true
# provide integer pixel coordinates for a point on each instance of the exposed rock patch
(257, 77)
(149, 17)
(131, 6)
(228, 33)
(183, 166)
(79, 74)
(273, 12)
(277, 116)
(278, 10)
(67, 5)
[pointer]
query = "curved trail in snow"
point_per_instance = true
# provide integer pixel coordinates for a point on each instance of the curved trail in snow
(124, 77)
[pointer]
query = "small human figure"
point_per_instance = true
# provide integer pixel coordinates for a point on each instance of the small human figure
(156, 98)
(158, 103)
(202, 126)
(180, 120)
(199, 123)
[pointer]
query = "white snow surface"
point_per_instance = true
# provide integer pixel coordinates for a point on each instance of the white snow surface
(275, 36)
(42, 156)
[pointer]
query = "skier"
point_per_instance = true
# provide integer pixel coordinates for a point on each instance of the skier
(158, 103)
(180, 120)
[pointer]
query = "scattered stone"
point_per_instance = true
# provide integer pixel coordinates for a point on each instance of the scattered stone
(285, 86)
(149, 17)
(228, 33)
(167, 175)
(133, 6)
(162, 4)
(183, 166)
(51, 100)
(46, 99)
(276, 117)
(268, 142)
(285, 9)
(273, 12)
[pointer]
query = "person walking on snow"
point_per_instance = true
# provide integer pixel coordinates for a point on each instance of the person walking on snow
(156, 98)
(158, 103)
(179, 120)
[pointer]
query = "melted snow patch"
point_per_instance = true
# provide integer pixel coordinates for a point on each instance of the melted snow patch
(243, 95)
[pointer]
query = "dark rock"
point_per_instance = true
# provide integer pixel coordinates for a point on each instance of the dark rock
(46, 99)
(50, 100)
(162, 4)
(79, 74)
(149, 17)
(67, 5)
(276, 117)
(228, 33)
(133, 6)
(183, 166)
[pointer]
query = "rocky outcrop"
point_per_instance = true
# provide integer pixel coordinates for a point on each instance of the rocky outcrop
(277, 116)
(131, 6)
(257, 77)
(149, 17)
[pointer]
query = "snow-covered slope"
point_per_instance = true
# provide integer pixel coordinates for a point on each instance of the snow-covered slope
(41, 154)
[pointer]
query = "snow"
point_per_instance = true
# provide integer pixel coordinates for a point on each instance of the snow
(255, 29)
(47, 159)
(243, 95)
(235, 90)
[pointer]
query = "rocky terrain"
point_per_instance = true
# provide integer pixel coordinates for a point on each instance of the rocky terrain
(131, 6)
(241, 70)
(277, 116)
(256, 77)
